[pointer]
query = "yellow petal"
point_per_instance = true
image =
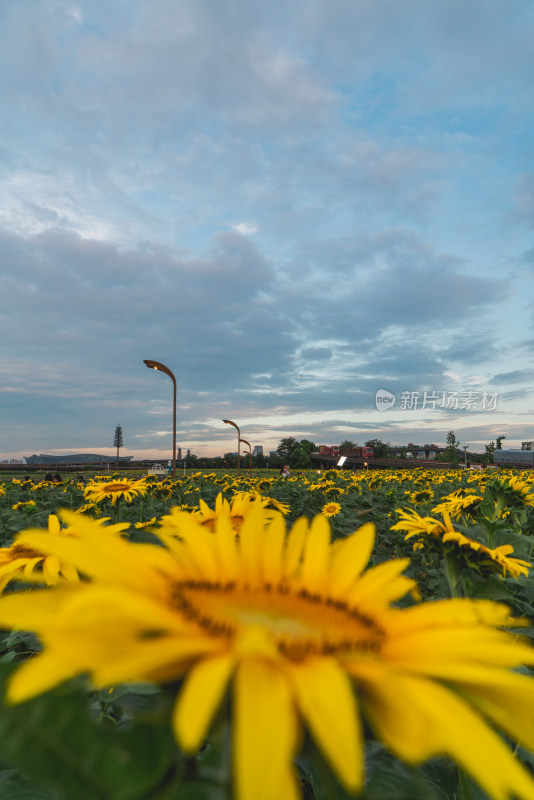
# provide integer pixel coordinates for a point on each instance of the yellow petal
(51, 568)
(28, 610)
(37, 675)
(427, 649)
(97, 557)
(250, 536)
(160, 660)
(226, 548)
(295, 544)
(273, 551)
(200, 548)
(316, 556)
(505, 697)
(418, 719)
(382, 584)
(349, 558)
(328, 704)
(265, 731)
(199, 700)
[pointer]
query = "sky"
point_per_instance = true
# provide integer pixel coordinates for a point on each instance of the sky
(318, 214)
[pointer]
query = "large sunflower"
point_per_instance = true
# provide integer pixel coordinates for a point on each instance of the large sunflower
(303, 636)
(101, 490)
(28, 562)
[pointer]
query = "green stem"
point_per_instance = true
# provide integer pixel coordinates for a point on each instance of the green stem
(452, 574)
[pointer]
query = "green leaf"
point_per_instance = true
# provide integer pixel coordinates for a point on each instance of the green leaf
(54, 741)
(15, 786)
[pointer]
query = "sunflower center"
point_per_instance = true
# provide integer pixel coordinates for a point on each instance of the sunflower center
(300, 624)
(21, 551)
(117, 487)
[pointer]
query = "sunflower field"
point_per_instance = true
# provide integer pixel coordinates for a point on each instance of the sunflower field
(325, 636)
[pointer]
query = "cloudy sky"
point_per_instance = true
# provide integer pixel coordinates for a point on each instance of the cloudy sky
(291, 205)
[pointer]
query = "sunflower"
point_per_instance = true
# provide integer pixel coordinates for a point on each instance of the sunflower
(303, 637)
(30, 563)
(241, 506)
(28, 505)
(421, 496)
(458, 503)
(330, 509)
(147, 525)
(414, 524)
(434, 534)
(516, 490)
(100, 490)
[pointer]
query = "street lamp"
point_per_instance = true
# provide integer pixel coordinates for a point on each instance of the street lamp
(465, 454)
(162, 368)
(229, 422)
(249, 457)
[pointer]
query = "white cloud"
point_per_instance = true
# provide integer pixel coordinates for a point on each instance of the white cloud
(244, 228)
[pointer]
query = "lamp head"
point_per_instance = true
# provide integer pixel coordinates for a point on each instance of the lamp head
(161, 367)
(229, 422)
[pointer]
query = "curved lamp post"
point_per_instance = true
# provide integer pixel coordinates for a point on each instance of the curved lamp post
(466, 446)
(249, 457)
(162, 368)
(229, 422)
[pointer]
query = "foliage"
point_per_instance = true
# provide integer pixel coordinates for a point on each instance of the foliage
(450, 454)
(74, 742)
(346, 444)
(380, 449)
(488, 455)
(286, 447)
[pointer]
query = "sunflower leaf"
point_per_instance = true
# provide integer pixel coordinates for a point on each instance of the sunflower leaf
(54, 741)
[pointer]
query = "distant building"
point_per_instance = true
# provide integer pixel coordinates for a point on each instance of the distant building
(518, 457)
(76, 458)
(422, 452)
(258, 450)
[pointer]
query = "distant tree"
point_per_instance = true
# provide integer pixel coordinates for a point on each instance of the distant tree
(347, 445)
(276, 462)
(488, 455)
(191, 460)
(117, 440)
(286, 447)
(498, 445)
(380, 449)
(299, 458)
(260, 461)
(308, 446)
(230, 460)
(450, 454)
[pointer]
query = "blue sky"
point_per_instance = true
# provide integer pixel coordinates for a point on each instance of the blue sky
(292, 206)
